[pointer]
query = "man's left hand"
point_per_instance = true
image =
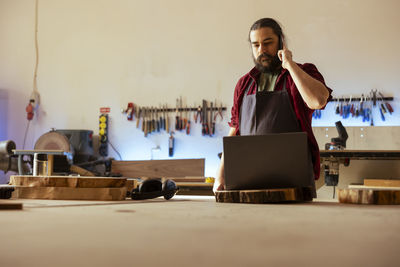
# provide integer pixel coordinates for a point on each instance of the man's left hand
(285, 55)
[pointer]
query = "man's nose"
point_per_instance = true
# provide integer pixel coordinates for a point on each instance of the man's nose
(261, 49)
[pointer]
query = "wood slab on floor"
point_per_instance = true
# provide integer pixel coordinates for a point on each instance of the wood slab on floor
(264, 196)
(67, 181)
(159, 168)
(70, 193)
(369, 196)
(382, 182)
(178, 232)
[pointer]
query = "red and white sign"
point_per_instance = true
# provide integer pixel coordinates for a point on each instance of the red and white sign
(105, 110)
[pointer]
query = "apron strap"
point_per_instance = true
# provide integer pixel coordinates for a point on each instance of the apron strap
(249, 86)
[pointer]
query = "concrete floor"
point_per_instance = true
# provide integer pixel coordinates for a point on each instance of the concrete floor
(197, 231)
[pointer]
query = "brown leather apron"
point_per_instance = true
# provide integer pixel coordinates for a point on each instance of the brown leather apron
(270, 112)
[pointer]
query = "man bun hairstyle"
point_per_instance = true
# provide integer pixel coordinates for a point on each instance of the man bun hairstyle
(270, 23)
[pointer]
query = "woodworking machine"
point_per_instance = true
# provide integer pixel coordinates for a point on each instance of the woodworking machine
(76, 147)
(331, 164)
(335, 154)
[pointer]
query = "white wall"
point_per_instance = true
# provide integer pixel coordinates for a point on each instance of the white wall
(96, 53)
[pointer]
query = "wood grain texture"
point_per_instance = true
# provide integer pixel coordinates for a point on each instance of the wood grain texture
(67, 181)
(369, 196)
(352, 186)
(159, 168)
(265, 196)
(70, 193)
(382, 182)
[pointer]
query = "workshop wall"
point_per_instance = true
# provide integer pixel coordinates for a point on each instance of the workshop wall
(97, 53)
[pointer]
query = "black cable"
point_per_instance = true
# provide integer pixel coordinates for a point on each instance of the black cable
(119, 155)
(26, 132)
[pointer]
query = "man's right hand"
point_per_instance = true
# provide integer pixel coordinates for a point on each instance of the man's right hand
(219, 184)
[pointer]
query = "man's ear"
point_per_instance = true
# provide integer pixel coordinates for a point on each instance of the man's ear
(281, 42)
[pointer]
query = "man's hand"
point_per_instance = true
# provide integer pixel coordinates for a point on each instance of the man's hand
(313, 92)
(285, 55)
(219, 184)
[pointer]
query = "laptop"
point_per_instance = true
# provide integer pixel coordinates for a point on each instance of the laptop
(267, 161)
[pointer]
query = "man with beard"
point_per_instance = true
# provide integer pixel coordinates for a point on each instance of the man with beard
(278, 95)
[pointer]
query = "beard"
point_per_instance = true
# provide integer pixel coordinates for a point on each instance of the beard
(274, 64)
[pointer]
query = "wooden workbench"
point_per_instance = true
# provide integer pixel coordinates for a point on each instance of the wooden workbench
(197, 231)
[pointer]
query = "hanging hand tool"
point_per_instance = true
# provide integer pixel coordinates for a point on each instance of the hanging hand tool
(161, 118)
(337, 110)
(383, 108)
(153, 120)
(205, 129)
(144, 122)
(188, 126)
(150, 121)
(373, 96)
(388, 106)
(130, 111)
(157, 121)
(180, 117)
(198, 114)
(219, 112)
(382, 116)
(138, 115)
(185, 119)
(357, 110)
(177, 115)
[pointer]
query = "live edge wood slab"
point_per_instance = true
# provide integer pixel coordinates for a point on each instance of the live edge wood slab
(67, 181)
(265, 195)
(70, 193)
(71, 188)
(369, 196)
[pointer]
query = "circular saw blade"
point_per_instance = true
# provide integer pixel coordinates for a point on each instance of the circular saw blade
(53, 141)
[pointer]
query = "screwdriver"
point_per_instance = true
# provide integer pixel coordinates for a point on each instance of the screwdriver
(157, 121)
(180, 118)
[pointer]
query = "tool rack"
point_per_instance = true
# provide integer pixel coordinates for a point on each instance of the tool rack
(361, 106)
(155, 119)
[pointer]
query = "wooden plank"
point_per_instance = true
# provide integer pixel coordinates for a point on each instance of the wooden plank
(265, 196)
(369, 196)
(372, 187)
(159, 168)
(382, 182)
(70, 193)
(67, 181)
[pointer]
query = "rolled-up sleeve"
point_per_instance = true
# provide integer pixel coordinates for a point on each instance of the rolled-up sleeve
(312, 70)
